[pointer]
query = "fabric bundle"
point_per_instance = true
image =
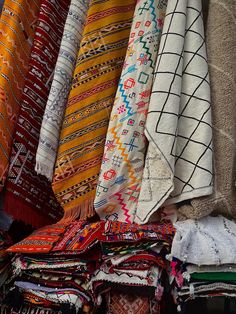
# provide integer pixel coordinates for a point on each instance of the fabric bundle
(124, 153)
(29, 197)
(98, 67)
(62, 266)
(203, 264)
(60, 88)
(17, 29)
(178, 163)
(56, 271)
(133, 262)
(222, 66)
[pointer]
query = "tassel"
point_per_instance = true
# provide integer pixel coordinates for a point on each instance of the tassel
(14, 299)
(44, 170)
(82, 211)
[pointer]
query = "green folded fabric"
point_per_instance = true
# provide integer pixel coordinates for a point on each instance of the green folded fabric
(214, 276)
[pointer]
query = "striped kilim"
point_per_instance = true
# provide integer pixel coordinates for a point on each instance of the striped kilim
(123, 160)
(61, 84)
(29, 197)
(99, 64)
(16, 38)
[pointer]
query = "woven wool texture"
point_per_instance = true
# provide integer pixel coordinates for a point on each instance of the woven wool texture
(198, 242)
(62, 79)
(98, 67)
(120, 303)
(16, 37)
(179, 158)
(222, 66)
(29, 197)
(123, 159)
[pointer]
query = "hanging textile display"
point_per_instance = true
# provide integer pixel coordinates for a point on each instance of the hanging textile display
(29, 197)
(179, 158)
(222, 69)
(54, 112)
(98, 68)
(123, 160)
(16, 37)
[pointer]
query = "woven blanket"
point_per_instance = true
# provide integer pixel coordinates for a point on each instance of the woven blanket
(16, 38)
(98, 67)
(222, 66)
(29, 197)
(124, 154)
(198, 242)
(179, 158)
(120, 303)
(61, 84)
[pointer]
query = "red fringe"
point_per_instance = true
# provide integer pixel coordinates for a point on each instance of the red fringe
(22, 211)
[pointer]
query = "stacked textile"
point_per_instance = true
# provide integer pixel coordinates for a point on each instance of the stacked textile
(57, 272)
(132, 266)
(62, 266)
(203, 258)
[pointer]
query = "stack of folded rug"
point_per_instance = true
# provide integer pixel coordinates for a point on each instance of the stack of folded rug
(133, 266)
(203, 259)
(54, 269)
(75, 267)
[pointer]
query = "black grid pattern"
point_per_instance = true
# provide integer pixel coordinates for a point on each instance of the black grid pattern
(179, 117)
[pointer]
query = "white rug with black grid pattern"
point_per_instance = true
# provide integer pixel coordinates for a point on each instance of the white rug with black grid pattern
(179, 158)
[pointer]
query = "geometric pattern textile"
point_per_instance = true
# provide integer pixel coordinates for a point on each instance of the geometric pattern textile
(124, 154)
(222, 68)
(40, 241)
(29, 197)
(116, 231)
(80, 236)
(61, 84)
(119, 303)
(178, 127)
(98, 67)
(17, 31)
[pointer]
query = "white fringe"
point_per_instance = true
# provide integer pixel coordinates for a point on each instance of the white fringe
(44, 170)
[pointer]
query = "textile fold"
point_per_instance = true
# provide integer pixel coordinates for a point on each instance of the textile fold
(221, 47)
(179, 158)
(62, 80)
(29, 197)
(98, 67)
(17, 29)
(124, 154)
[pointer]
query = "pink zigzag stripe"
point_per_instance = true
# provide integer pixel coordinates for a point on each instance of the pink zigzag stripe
(123, 207)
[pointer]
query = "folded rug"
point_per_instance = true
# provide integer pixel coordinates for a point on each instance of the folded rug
(16, 37)
(29, 197)
(60, 88)
(124, 154)
(98, 67)
(198, 241)
(179, 157)
(221, 47)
